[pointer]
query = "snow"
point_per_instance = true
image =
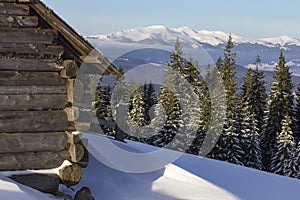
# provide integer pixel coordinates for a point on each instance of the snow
(189, 177)
(11, 190)
(194, 38)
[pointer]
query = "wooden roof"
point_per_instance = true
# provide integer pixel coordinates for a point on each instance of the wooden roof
(74, 43)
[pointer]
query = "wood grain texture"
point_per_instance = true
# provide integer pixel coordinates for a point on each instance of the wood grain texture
(30, 65)
(23, 78)
(28, 35)
(8, 8)
(33, 160)
(33, 142)
(18, 21)
(33, 121)
(33, 90)
(36, 51)
(23, 102)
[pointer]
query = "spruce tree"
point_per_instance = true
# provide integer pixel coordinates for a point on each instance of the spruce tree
(283, 161)
(249, 123)
(150, 100)
(103, 108)
(279, 106)
(229, 146)
(168, 104)
(297, 116)
(137, 112)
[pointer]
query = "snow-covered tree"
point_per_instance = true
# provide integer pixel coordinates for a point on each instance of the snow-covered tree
(297, 116)
(150, 100)
(283, 161)
(103, 108)
(279, 106)
(229, 146)
(249, 123)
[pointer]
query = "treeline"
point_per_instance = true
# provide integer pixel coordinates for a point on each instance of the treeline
(246, 125)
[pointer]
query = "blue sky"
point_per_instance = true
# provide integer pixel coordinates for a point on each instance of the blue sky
(255, 18)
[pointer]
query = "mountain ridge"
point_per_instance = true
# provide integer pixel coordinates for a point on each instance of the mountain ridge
(194, 37)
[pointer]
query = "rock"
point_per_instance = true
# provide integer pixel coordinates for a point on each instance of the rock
(84, 194)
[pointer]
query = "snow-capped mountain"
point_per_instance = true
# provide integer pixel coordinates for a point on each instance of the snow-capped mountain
(193, 38)
(212, 42)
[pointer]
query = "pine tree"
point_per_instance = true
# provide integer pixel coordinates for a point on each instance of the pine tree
(150, 100)
(283, 161)
(103, 108)
(249, 123)
(279, 106)
(297, 116)
(169, 105)
(181, 79)
(229, 146)
(137, 112)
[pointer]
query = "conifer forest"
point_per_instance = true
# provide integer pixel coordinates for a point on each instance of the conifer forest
(251, 126)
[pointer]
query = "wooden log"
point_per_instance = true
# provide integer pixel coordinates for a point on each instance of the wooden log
(76, 152)
(33, 121)
(30, 65)
(72, 113)
(74, 137)
(70, 69)
(8, 1)
(20, 50)
(28, 35)
(84, 162)
(33, 160)
(13, 9)
(18, 21)
(22, 102)
(23, 78)
(33, 142)
(70, 175)
(47, 183)
(33, 90)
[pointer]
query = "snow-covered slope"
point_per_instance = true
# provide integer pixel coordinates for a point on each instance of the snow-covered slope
(188, 178)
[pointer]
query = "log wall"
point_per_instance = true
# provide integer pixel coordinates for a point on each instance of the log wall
(36, 77)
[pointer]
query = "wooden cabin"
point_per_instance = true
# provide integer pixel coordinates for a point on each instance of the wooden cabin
(39, 58)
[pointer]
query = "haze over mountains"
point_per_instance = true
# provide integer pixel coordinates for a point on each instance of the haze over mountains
(129, 47)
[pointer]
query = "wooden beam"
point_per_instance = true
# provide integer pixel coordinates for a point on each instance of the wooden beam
(9, 8)
(8, 1)
(22, 102)
(33, 142)
(33, 90)
(55, 22)
(23, 78)
(33, 160)
(22, 64)
(21, 50)
(18, 21)
(33, 121)
(28, 35)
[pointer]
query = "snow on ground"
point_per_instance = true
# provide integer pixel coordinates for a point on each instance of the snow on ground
(189, 178)
(10, 190)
